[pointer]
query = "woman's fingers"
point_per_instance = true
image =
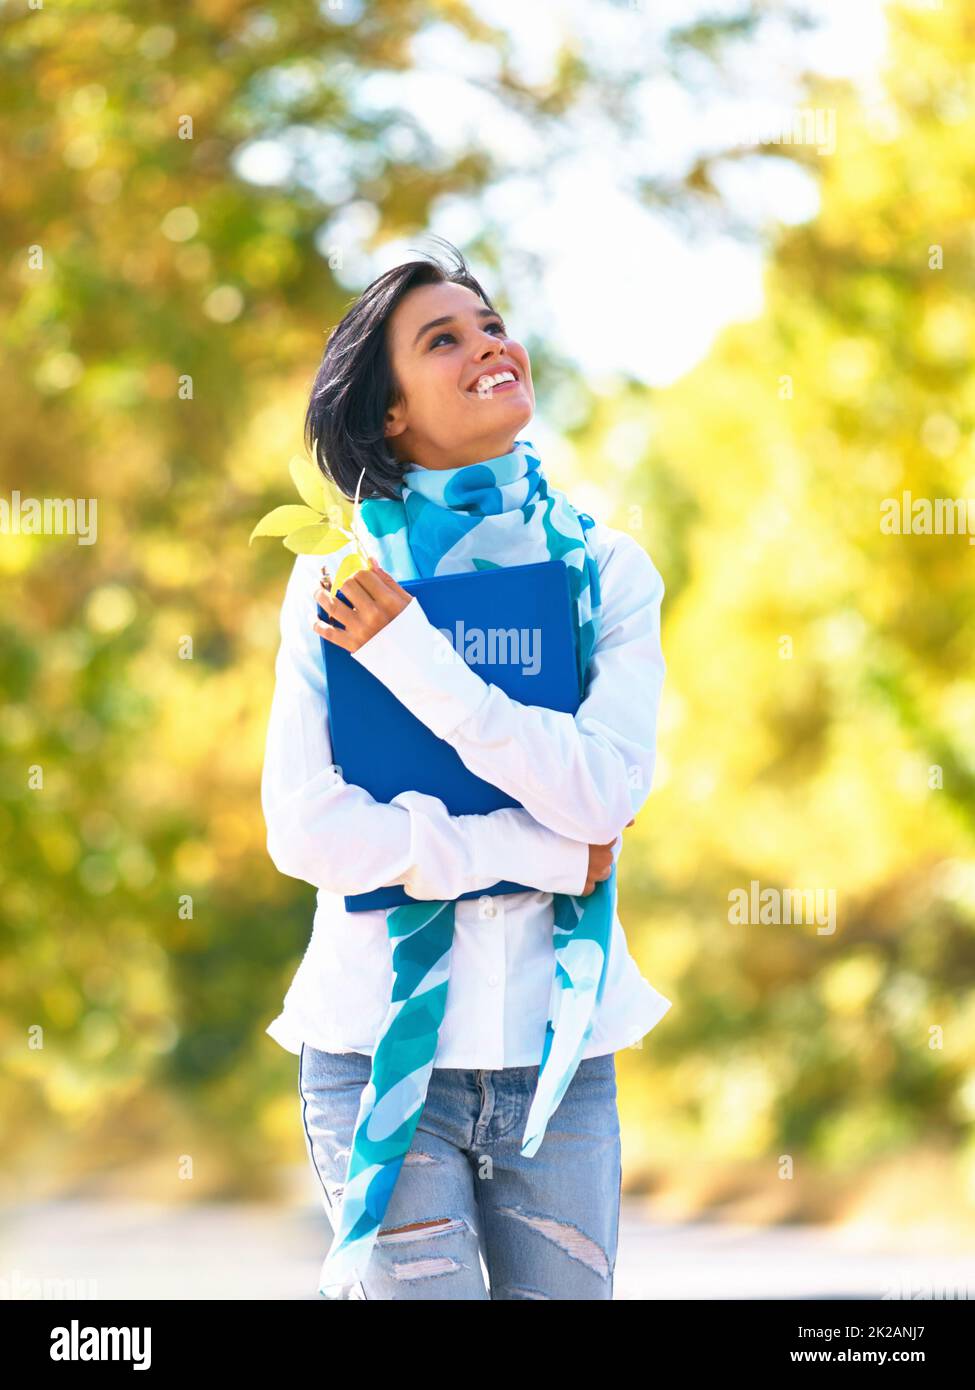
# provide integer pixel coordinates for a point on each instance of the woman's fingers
(373, 600)
(341, 612)
(336, 637)
(367, 591)
(375, 581)
(376, 568)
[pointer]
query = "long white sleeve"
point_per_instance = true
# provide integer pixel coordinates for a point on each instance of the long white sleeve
(582, 775)
(335, 835)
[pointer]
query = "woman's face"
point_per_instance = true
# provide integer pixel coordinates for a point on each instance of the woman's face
(445, 348)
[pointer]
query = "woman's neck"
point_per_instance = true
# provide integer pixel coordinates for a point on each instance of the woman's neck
(442, 459)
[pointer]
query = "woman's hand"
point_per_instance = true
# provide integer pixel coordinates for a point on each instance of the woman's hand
(600, 864)
(376, 600)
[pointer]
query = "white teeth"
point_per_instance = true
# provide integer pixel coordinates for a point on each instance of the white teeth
(484, 383)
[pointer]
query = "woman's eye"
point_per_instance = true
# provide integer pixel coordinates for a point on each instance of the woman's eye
(446, 334)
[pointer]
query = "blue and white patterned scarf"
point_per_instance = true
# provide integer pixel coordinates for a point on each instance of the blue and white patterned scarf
(478, 516)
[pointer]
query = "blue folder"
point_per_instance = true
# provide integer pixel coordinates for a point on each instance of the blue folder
(379, 745)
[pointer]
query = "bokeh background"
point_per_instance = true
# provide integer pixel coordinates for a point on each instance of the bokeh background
(742, 345)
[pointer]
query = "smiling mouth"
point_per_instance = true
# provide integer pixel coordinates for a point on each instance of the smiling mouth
(490, 382)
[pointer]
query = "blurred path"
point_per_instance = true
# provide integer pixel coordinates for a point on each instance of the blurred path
(128, 1250)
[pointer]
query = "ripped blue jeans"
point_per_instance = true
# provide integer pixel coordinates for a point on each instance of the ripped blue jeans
(466, 1203)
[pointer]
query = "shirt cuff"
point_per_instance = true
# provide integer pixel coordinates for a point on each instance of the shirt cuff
(510, 845)
(415, 661)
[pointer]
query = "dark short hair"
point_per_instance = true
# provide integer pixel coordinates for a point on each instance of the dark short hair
(355, 384)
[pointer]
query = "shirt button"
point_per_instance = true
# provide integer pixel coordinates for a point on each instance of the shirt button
(492, 979)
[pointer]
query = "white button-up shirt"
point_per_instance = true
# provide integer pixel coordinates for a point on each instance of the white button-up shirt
(579, 778)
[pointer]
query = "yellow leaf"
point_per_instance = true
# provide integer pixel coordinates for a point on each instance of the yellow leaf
(349, 566)
(309, 482)
(317, 540)
(283, 520)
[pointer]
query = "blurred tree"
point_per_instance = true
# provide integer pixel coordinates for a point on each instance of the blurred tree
(174, 184)
(818, 720)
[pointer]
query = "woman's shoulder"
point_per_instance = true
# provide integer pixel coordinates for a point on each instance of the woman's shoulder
(622, 557)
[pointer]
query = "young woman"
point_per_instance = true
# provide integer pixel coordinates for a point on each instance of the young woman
(456, 1055)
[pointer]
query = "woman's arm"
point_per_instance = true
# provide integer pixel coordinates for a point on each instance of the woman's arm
(582, 775)
(333, 834)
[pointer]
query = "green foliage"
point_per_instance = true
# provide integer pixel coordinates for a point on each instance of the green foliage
(817, 726)
(157, 360)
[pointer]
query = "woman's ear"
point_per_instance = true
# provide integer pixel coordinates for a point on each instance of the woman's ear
(394, 423)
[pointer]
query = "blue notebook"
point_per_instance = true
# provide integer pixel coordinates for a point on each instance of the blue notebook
(515, 626)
